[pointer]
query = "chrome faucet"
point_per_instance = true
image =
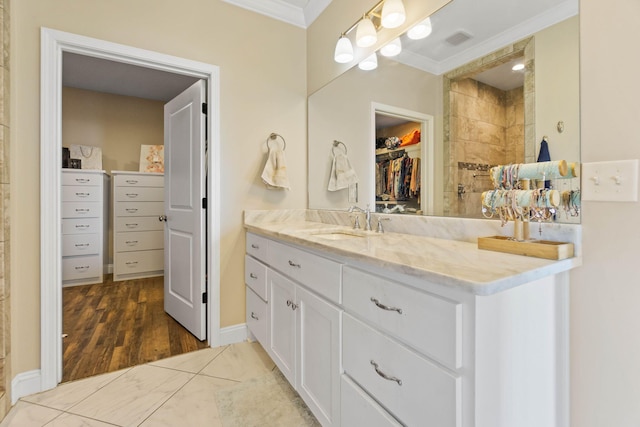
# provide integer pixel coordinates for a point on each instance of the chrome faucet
(367, 216)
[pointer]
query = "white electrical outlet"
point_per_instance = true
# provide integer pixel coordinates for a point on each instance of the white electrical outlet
(615, 181)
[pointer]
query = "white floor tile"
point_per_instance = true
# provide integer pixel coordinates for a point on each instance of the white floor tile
(26, 414)
(190, 362)
(240, 362)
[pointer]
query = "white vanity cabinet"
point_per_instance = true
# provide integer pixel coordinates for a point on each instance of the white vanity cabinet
(84, 226)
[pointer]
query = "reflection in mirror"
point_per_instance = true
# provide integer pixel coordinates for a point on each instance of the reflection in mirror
(467, 140)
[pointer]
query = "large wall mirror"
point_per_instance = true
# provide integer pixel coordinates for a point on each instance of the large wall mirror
(470, 109)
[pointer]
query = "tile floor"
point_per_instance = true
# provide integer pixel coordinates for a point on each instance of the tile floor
(179, 391)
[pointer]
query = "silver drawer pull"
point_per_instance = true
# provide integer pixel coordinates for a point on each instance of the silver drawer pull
(292, 304)
(385, 376)
(131, 181)
(254, 246)
(82, 210)
(82, 245)
(82, 180)
(253, 276)
(385, 307)
(132, 262)
(82, 226)
(132, 210)
(132, 195)
(253, 316)
(133, 225)
(83, 194)
(293, 264)
(131, 242)
(82, 267)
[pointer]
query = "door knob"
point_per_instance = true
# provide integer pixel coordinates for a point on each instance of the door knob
(162, 218)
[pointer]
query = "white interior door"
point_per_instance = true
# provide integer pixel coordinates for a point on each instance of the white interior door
(185, 232)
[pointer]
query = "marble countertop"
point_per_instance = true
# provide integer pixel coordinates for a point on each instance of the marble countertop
(447, 262)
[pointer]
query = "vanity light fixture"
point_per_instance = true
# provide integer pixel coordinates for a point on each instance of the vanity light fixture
(421, 30)
(369, 63)
(366, 34)
(393, 14)
(518, 67)
(393, 48)
(344, 50)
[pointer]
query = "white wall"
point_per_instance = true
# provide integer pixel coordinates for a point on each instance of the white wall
(605, 291)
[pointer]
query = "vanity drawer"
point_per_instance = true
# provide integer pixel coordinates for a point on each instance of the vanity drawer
(76, 268)
(139, 223)
(319, 274)
(255, 276)
(257, 317)
(256, 246)
(139, 181)
(82, 225)
(139, 209)
(430, 324)
(139, 262)
(80, 244)
(81, 193)
(415, 391)
(143, 194)
(357, 408)
(75, 178)
(139, 241)
(81, 209)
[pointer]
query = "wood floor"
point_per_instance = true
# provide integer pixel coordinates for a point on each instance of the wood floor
(115, 325)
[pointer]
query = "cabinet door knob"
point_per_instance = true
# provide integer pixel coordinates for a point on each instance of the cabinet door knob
(383, 375)
(162, 218)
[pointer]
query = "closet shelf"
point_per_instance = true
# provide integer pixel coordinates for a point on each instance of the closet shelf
(411, 150)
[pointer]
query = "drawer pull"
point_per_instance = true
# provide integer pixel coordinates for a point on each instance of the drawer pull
(132, 195)
(134, 225)
(82, 245)
(82, 268)
(82, 180)
(82, 210)
(131, 181)
(385, 376)
(385, 307)
(82, 226)
(292, 304)
(132, 210)
(83, 194)
(254, 246)
(131, 242)
(253, 316)
(293, 264)
(253, 276)
(132, 262)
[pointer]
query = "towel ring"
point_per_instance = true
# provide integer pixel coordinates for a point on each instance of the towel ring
(274, 136)
(335, 144)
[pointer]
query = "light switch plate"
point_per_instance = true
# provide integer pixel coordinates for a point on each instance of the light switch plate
(615, 181)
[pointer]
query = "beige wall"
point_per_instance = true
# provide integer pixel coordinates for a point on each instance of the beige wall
(263, 90)
(605, 291)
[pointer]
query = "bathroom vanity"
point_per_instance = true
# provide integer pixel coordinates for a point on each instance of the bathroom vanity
(387, 329)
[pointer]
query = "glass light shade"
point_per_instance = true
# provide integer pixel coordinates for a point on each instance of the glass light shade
(366, 34)
(393, 48)
(344, 50)
(421, 30)
(369, 63)
(393, 14)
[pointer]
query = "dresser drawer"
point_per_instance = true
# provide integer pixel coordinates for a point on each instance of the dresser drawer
(139, 262)
(75, 178)
(257, 317)
(82, 225)
(139, 241)
(255, 276)
(141, 194)
(357, 408)
(415, 389)
(256, 246)
(80, 193)
(139, 209)
(139, 223)
(430, 324)
(319, 274)
(139, 180)
(75, 268)
(80, 244)
(81, 209)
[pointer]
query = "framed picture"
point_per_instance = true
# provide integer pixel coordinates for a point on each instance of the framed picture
(152, 158)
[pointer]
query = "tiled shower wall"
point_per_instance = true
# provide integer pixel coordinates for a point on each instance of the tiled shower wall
(5, 401)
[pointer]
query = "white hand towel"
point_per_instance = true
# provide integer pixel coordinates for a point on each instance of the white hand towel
(275, 170)
(342, 174)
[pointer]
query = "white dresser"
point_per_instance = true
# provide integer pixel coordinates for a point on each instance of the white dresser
(138, 233)
(84, 226)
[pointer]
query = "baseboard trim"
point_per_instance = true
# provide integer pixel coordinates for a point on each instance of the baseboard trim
(233, 334)
(25, 383)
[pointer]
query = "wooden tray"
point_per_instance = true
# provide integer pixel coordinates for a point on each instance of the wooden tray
(535, 248)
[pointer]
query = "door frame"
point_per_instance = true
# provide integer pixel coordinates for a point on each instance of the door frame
(53, 44)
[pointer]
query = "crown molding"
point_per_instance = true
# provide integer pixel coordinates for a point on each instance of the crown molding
(285, 11)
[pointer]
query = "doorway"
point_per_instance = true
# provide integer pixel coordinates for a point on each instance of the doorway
(54, 44)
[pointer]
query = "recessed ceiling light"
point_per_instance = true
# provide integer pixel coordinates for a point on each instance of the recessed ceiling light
(519, 66)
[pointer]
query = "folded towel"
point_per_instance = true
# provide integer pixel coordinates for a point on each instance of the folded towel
(342, 174)
(275, 170)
